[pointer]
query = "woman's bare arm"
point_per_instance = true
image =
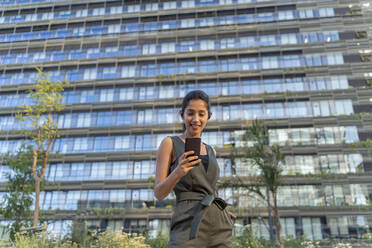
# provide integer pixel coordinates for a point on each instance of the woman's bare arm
(165, 183)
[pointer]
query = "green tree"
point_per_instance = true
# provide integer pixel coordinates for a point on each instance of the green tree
(40, 115)
(267, 159)
(20, 187)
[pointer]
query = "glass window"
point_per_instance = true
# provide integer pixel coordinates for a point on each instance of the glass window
(251, 87)
(187, 4)
(187, 23)
(131, 49)
(268, 40)
(106, 95)
(316, 109)
(126, 118)
(339, 82)
(126, 94)
(207, 66)
(326, 12)
(128, 71)
(248, 41)
(288, 227)
(355, 162)
(287, 39)
(265, 17)
(324, 108)
(134, 8)
(115, 28)
(121, 143)
(104, 119)
(344, 107)
(339, 226)
(330, 36)
(151, 6)
(137, 170)
(306, 13)
(116, 10)
(349, 134)
(90, 74)
(83, 120)
(170, 5)
(285, 15)
(227, 43)
(166, 116)
(279, 136)
(249, 63)
(290, 61)
(312, 228)
(169, 47)
(206, 21)
(359, 194)
(210, 88)
(253, 111)
(274, 110)
(148, 48)
(335, 59)
(167, 68)
(187, 46)
(80, 144)
(167, 91)
(206, 44)
(270, 62)
(186, 67)
(298, 109)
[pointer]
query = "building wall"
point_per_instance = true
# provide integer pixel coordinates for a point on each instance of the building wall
(303, 66)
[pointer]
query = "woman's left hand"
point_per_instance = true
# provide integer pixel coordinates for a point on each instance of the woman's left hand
(233, 216)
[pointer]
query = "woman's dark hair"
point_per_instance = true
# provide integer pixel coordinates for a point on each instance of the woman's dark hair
(196, 95)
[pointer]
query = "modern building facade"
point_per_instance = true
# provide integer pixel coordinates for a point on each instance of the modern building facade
(303, 66)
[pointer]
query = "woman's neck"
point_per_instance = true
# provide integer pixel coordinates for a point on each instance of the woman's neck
(185, 135)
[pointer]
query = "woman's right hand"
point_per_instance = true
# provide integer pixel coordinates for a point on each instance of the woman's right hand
(187, 163)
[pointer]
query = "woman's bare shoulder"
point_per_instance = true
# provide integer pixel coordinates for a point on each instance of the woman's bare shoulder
(166, 145)
(167, 141)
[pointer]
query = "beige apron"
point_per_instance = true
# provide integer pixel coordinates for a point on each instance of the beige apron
(200, 218)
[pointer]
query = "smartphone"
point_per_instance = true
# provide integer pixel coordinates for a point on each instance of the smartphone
(193, 144)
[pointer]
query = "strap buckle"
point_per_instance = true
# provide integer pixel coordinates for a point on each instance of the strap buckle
(221, 204)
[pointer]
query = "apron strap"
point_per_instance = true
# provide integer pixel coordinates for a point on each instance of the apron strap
(179, 148)
(204, 202)
(200, 212)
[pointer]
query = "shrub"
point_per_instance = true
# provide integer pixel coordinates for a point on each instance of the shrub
(118, 239)
(158, 242)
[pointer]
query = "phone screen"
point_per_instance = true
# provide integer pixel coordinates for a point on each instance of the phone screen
(193, 144)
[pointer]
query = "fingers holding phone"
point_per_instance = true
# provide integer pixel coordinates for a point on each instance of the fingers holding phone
(187, 162)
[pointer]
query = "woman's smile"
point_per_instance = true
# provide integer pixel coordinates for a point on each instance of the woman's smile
(195, 117)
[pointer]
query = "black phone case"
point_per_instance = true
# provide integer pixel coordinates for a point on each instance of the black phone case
(193, 144)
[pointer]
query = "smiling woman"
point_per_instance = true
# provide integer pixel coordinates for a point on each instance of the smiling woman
(200, 218)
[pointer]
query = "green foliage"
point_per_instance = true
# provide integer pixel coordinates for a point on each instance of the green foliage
(47, 99)
(41, 240)
(118, 239)
(80, 233)
(159, 241)
(46, 102)
(20, 187)
(248, 240)
(268, 158)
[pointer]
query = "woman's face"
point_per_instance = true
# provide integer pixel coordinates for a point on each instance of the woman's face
(195, 117)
